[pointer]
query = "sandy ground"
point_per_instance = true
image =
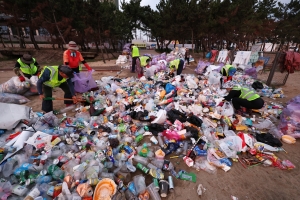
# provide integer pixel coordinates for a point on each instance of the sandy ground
(253, 183)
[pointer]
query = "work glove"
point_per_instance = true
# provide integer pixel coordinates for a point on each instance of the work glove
(22, 78)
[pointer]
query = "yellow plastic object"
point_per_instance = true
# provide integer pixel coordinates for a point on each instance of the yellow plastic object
(162, 94)
(105, 189)
(288, 139)
(241, 127)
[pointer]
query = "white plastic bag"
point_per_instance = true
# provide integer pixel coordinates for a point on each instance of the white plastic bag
(15, 86)
(161, 117)
(227, 109)
(13, 98)
(191, 83)
(214, 78)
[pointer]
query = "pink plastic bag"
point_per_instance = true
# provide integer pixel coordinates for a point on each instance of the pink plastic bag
(83, 82)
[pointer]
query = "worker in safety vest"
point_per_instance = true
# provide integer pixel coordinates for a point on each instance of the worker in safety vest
(244, 97)
(142, 61)
(134, 54)
(227, 72)
(26, 66)
(177, 65)
(72, 57)
(55, 76)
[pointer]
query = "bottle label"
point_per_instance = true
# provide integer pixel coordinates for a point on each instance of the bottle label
(34, 193)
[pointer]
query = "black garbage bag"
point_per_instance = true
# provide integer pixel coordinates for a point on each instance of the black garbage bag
(195, 120)
(175, 114)
(269, 139)
(140, 115)
(156, 128)
(194, 133)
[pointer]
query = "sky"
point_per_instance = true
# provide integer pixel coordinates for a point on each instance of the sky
(153, 3)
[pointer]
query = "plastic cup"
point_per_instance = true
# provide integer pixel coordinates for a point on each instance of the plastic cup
(164, 187)
(153, 192)
(139, 182)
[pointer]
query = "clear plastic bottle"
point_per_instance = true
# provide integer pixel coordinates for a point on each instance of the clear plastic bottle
(43, 179)
(8, 167)
(140, 159)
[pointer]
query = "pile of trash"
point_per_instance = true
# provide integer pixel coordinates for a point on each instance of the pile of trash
(159, 62)
(15, 91)
(132, 128)
(290, 118)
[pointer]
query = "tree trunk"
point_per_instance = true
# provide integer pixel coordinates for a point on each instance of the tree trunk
(272, 46)
(2, 41)
(192, 41)
(21, 41)
(106, 52)
(157, 42)
(58, 28)
(97, 47)
(10, 41)
(101, 49)
(31, 33)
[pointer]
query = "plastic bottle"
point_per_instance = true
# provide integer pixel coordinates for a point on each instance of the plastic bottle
(33, 194)
(8, 167)
(276, 132)
(77, 176)
(160, 140)
(5, 188)
(43, 179)
(139, 182)
(140, 159)
(43, 188)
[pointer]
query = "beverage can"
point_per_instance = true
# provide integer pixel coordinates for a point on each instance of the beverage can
(52, 168)
(143, 168)
(171, 183)
(31, 179)
(155, 184)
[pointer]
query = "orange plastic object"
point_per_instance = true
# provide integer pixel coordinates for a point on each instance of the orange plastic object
(105, 189)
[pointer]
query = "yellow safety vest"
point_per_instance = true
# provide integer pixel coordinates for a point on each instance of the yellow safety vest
(143, 60)
(226, 68)
(175, 63)
(135, 51)
(27, 69)
(53, 82)
(248, 94)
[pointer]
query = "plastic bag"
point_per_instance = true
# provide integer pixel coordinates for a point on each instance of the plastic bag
(169, 88)
(151, 70)
(83, 82)
(251, 72)
(208, 55)
(13, 98)
(15, 86)
(227, 109)
(191, 82)
(214, 78)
